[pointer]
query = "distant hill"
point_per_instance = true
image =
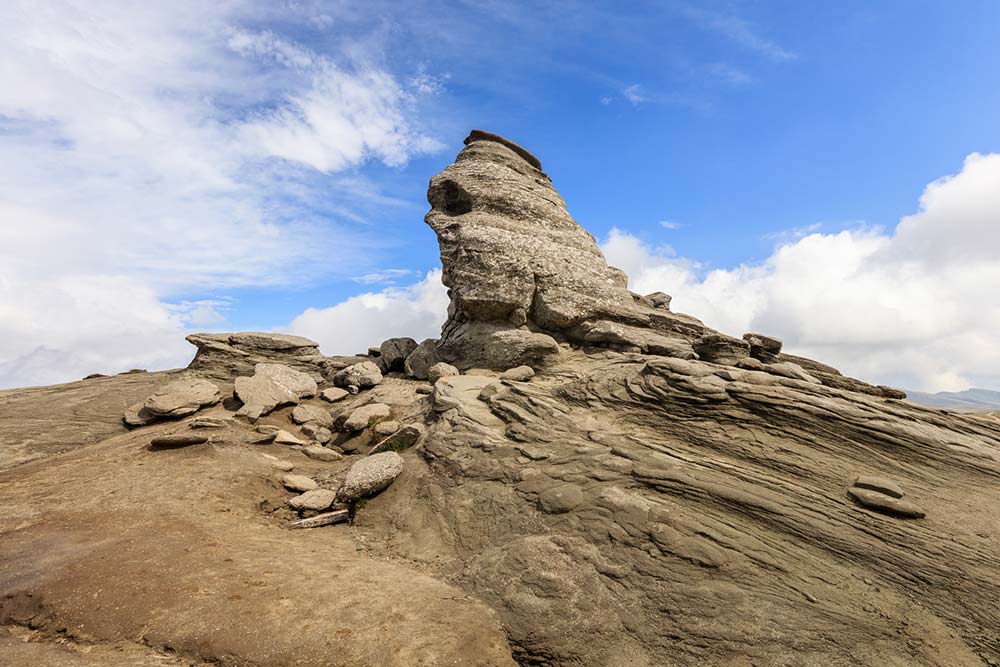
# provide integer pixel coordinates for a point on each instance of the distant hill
(970, 400)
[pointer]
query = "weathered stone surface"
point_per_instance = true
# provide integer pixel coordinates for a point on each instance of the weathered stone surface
(304, 414)
(286, 438)
(790, 370)
(386, 428)
(322, 453)
(659, 300)
(299, 483)
(421, 359)
(137, 415)
(888, 504)
(284, 466)
(209, 422)
(177, 440)
(228, 355)
(364, 375)
(270, 386)
(181, 398)
(404, 438)
(393, 353)
(721, 349)
(440, 370)
(334, 394)
(764, 348)
(879, 484)
(370, 475)
(316, 500)
(363, 417)
(518, 374)
(320, 434)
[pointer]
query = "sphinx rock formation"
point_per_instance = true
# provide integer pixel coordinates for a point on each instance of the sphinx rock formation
(523, 277)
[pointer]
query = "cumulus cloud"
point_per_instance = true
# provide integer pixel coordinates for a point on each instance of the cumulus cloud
(916, 308)
(417, 311)
(150, 152)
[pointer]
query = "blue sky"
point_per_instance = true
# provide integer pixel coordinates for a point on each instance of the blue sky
(232, 167)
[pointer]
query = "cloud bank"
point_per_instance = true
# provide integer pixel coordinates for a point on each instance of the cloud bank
(916, 308)
(150, 152)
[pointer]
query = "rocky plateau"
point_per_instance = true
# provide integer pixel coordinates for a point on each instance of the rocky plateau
(572, 474)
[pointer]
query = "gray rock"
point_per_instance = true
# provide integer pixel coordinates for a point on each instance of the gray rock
(182, 397)
(270, 386)
(267, 428)
(370, 475)
(209, 422)
(304, 414)
(362, 417)
(227, 355)
(440, 370)
(406, 437)
(722, 349)
(765, 348)
(393, 353)
(421, 359)
(284, 466)
(659, 300)
(364, 375)
(424, 389)
(299, 483)
(320, 434)
(789, 370)
(137, 415)
(518, 374)
(334, 394)
(177, 440)
(560, 498)
(316, 500)
(322, 453)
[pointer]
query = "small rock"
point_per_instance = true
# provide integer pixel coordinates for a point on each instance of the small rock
(880, 484)
(267, 428)
(321, 453)
(284, 466)
(264, 439)
(320, 434)
(518, 374)
(334, 394)
(488, 392)
(353, 389)
(889, 505)
(560, 498)
(424, 389)
(659, 300)
(421, 359)
(94, 376)
(182, 397)
(177, 440)
(765, 348)
(138, 415)
(440, 370)
(362, 417)
(370, 475)
(299, 483)
(286, 438)
(303, 414)
(364, 375)
(404, 438)
(722, 349)
(386, 428)
(316, 500)
(208, 422)
(270, 386)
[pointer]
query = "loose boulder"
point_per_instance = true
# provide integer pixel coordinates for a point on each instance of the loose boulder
(316, 500)
(177, 440)
(270, 386)
(299, 483)
(393, 353)
(440, 370)
(361, 418)
(421, 359)
(334, 394)
(364, 375)
(305, 414)
(370, 475)
(518, 374)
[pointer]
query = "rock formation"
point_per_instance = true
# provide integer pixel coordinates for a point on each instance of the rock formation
(608, 483)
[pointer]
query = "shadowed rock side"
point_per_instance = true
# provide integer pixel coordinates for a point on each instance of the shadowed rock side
(643, 492)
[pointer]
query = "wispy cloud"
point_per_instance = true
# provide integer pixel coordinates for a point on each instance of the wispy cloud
(740, 31)
(669, 224)
(634, 94)
(729, 74)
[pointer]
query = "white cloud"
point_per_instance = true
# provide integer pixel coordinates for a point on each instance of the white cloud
(634, 94)
(740, 31)
(417, 311)
(669, 224)
(157, 151)
(917, 308)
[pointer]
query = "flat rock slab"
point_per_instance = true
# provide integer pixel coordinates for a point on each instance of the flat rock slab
(322, 453)
(362, 417)
(370, 475)
(182, 397)
(177, 440)
(316, 500)
(304, 414)
(883, 503)
(286, 438)
(334, 394)
(299, 483)
(879, 484)
(270, 386)
(518, 374)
